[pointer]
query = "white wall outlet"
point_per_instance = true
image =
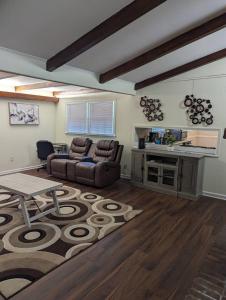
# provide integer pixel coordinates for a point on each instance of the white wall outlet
(11, 159)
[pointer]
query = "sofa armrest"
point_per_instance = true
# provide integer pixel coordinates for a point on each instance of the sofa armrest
(58, 156)
(107, 165)
(106, 173)
(54, 156)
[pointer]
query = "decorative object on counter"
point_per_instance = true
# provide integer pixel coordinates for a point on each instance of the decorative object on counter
(23, 114)
(142, 134)
(152, 109)
(224, 136)
(141, 143)
(170, 140)
(198, 110)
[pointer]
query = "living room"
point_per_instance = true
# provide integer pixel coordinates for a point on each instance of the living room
(125, 198)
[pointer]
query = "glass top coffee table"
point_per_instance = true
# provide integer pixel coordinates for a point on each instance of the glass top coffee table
(26, 187)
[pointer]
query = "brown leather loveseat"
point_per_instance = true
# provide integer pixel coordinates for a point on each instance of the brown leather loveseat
(88, 163)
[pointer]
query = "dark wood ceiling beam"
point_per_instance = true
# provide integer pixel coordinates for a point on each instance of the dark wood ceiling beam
(22, 96)
(113, 24)
(6, 75)
(166, 48)
(39, 85)
(182, 69)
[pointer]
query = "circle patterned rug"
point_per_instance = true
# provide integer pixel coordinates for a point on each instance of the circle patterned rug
(27, 254)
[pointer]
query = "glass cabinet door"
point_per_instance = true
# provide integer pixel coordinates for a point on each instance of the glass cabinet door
(169, 177)
(153, 174)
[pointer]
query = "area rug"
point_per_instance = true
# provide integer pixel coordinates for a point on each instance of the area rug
(28, 254)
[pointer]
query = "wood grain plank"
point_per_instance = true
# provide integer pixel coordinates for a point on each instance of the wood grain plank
(22, 96)
(39, 85)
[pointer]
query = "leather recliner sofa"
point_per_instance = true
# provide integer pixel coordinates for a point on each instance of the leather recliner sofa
(58, 164)
(88, 163)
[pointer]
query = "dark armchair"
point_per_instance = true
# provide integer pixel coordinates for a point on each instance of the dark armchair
(44, 149)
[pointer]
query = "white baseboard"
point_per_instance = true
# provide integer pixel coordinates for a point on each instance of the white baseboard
(20, 170)
(214, 195)
(124, 176)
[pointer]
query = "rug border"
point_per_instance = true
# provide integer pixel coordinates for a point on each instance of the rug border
(30, 284)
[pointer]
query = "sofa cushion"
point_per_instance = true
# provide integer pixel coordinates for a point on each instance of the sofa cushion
(59, 168)
(71, 165)
(105, 150)
(79, 147)
(85, 170)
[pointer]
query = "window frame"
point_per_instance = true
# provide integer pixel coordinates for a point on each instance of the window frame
(88, 102)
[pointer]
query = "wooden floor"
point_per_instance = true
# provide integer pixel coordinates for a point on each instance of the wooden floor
(154, 256)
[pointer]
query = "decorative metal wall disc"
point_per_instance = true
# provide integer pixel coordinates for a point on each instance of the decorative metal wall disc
(152, 109)
(198, 110)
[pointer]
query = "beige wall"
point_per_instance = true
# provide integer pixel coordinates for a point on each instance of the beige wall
(214, 88)
(18, 143)
(172, 94)
(124, 105)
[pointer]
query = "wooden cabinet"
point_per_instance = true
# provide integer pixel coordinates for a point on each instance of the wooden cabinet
(137, 166)
(170, 173)
(190, 176)
(163, 176)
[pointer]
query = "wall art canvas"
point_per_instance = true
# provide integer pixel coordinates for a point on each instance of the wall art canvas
(23, 114)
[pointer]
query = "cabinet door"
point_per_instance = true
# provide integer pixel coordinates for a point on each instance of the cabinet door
(137, 166)
(152, 174)
(188, 175)
(169, 178)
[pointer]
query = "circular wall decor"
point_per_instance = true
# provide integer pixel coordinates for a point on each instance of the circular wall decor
(152, 109)
(198, 110)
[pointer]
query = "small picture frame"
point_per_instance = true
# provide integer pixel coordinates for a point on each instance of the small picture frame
(23, 114)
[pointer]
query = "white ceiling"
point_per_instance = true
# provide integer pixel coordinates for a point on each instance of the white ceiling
(9, 84)
(42, 28)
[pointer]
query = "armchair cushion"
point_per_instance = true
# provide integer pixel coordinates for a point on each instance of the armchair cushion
(71, 167)
(86, 170)
(79, 147)
(106, 150)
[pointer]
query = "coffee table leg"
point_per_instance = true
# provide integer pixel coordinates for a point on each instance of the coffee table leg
(56, 203)
(25, 212)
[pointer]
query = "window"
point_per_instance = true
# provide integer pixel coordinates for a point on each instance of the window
(91, 118)
(77, 118)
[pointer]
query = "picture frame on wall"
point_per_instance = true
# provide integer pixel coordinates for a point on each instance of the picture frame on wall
(23, 114)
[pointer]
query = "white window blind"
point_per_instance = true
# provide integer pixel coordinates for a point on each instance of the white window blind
(101, 118)
(91, 118)
(77, 118)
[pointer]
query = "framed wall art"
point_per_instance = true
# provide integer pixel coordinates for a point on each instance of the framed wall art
(23, 114)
